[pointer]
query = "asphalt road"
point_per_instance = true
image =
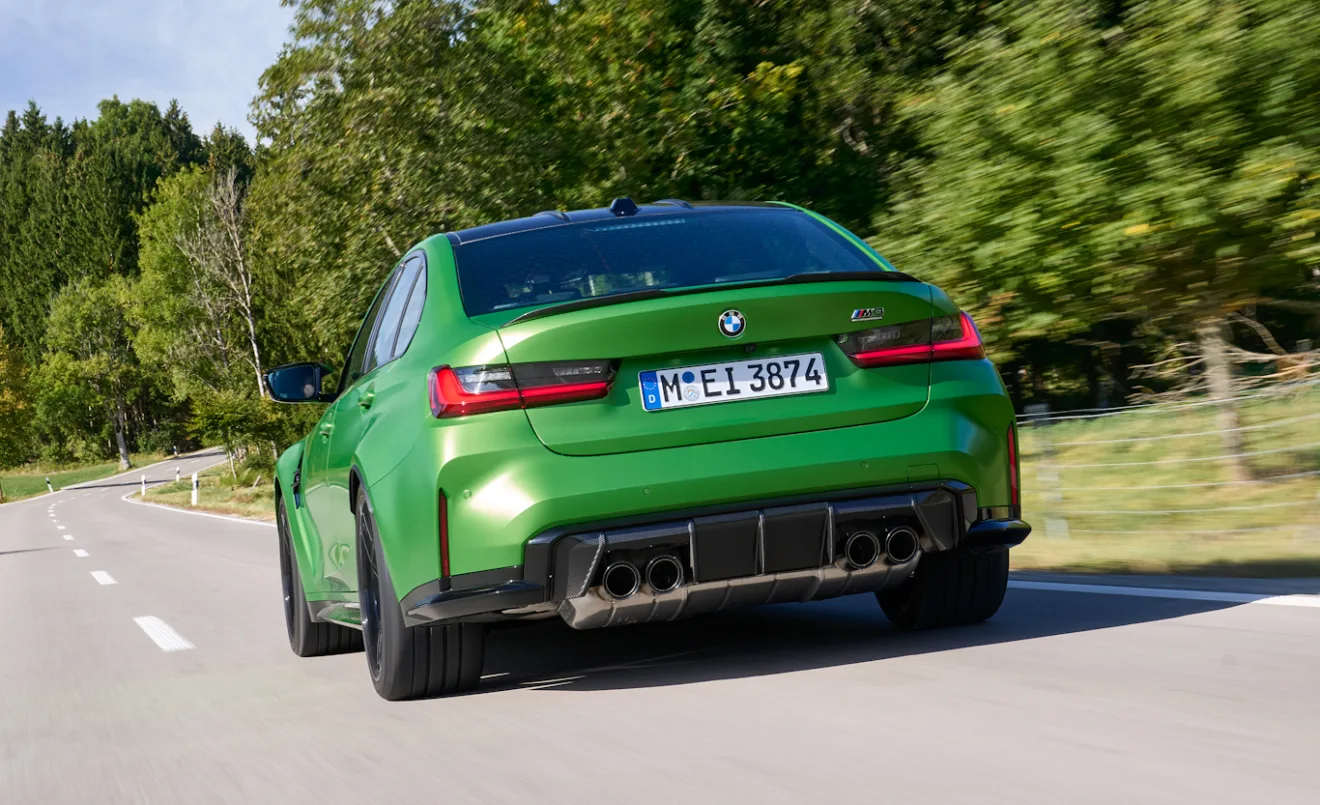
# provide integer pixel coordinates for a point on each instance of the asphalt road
(1067, 696)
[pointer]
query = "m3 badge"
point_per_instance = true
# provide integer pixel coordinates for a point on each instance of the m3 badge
(868, 314)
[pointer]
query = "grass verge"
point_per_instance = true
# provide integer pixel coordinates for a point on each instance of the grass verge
(28, 481)
(1149, 492)
(251, 495)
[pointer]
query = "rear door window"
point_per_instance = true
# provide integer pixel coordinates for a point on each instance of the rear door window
(387, 331)
(412, 312)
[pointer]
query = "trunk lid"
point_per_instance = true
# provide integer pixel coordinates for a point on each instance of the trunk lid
(683, 331)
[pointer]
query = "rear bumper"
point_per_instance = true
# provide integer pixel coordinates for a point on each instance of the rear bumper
(787, 549)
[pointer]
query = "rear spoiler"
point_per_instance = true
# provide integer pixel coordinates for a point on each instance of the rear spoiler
(659, 293)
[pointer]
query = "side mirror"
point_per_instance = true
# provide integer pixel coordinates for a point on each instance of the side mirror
(298, 383)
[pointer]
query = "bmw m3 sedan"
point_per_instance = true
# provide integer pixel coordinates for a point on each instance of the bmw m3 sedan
(633, 414)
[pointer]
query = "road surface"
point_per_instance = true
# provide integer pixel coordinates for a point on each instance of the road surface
(143, 659)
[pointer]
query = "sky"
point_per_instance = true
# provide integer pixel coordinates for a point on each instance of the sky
(69, 54)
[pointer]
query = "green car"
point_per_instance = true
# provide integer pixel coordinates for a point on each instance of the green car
(638, 414)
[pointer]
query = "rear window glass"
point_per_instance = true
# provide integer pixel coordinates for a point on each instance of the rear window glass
(601, 258)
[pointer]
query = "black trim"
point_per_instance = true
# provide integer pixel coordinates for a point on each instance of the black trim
(990, 534)
(538, 557)
(456, 604)
(461, 582)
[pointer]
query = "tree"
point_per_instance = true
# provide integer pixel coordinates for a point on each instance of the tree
(1162, 168)
(90, 367)
(197, 297)
(15, 410)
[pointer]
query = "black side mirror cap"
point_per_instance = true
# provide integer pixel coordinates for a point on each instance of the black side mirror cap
(299, 383)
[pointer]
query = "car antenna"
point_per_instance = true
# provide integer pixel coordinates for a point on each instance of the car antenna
(623, 206)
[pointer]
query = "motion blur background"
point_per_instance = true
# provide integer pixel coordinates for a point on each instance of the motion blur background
(1125, 195)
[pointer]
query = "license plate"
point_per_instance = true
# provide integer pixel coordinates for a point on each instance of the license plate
(709, 383)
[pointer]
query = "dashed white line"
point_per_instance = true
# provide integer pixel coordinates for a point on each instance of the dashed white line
(103, 578)
(80, 553)
(62, 528)
(1312, 601)
(68, 536)
(164, 636)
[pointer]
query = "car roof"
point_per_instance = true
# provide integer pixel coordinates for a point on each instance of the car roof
(552, 218)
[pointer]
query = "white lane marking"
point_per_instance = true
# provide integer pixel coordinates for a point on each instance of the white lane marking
(163, 635)
(68, 536)
(103, 578)
(61, 528)
(1310, 601)
(80, 553)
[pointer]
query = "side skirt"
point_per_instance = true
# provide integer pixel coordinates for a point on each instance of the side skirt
(343, 613)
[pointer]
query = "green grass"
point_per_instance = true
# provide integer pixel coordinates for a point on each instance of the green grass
(28, 481)
(219, 492)
(1179, 515)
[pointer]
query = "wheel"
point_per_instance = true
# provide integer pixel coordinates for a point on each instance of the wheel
(949, 589)
(409, 662)
(307, 638)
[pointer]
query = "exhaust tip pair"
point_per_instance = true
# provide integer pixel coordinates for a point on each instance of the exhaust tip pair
(622, 578)
(864, 548)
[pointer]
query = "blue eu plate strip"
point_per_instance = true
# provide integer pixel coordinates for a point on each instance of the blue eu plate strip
(650, 391)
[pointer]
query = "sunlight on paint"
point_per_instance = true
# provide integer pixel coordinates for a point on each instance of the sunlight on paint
(501, 497)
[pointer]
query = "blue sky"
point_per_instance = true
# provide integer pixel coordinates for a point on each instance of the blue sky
(68, 54)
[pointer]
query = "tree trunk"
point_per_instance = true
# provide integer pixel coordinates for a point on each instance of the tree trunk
(121, 424)
(1219, 375)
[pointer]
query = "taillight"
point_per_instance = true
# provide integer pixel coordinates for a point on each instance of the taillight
(1014, 473)
(459, 391)
(946, 338)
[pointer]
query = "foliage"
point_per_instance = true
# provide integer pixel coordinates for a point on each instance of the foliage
(1161, 166)
(15, 444)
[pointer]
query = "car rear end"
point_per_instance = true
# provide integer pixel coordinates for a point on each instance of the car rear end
(684, 409)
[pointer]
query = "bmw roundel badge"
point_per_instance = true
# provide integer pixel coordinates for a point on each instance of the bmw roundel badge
(732, 323)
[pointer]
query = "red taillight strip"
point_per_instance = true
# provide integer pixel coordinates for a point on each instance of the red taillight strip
(444, 535)
(1014, 472)
(967, 346)
(567, 392)
(448, 398)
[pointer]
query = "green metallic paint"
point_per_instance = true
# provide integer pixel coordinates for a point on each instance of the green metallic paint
(504, 485)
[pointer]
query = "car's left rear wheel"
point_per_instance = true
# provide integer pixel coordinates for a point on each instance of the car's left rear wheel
(409, 662)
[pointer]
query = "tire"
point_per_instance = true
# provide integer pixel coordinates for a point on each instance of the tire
(949, 589)
(409, 662)
(307, 638)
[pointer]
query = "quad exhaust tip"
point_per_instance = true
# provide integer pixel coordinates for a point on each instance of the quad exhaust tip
(861, 550)
(901, 544)
(620, 580)
(664, 573)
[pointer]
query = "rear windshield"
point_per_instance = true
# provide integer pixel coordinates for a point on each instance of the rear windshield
(602, 258)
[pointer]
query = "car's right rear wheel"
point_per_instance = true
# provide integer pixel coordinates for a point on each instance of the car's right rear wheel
(409, 662)
(949, 589)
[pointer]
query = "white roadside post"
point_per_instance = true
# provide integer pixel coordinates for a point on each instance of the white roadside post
(144, 486)
(49, 489)
(178, 473)
(194, 489)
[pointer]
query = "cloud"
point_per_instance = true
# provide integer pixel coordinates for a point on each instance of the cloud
(69, 54)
